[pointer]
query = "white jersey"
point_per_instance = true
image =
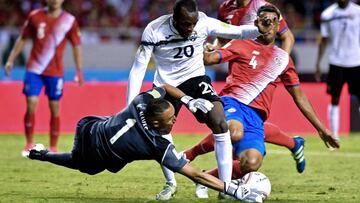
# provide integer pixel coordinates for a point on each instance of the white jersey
(342, 28)
(178, 59)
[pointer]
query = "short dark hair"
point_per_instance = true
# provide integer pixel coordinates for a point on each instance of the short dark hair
(268, 8)
(156, 107)
(190, 5)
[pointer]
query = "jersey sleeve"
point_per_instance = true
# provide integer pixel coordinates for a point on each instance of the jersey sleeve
(229, 51)
(27, 29)
(74, 34)
(324, 26)
(139, 66)
(172, 160)
(220, 29)
(290, 77)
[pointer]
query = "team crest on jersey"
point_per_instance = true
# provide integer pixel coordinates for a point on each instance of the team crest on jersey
(231, 110)
(193, 36)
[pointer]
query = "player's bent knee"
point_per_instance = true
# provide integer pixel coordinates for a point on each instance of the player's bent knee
(250, 160)
(236, 130)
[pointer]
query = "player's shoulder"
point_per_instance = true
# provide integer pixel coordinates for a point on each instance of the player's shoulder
(226, 4)
(329, 11)
(36, 12)
(159, 22)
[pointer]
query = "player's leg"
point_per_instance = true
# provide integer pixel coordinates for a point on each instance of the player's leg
(296, 144)
(54, 90)
(352, 78)
(204, 146)
(335, 83)
(32, 88)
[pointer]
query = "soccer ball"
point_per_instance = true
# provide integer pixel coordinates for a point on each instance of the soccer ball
(259, 181)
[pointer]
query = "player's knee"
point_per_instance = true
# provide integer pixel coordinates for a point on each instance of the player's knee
(236, 130)
(251, 160)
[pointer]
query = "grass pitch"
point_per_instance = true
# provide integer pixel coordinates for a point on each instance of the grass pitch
(330, 176)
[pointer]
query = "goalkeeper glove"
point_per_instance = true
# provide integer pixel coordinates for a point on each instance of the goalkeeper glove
(194, 104)
(243, 192)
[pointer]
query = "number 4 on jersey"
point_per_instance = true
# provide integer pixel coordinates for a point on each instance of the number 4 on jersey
(253, 61)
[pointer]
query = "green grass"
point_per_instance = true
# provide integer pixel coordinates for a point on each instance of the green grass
(329, 176)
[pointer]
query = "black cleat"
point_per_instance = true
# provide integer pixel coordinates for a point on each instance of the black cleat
(38, 152)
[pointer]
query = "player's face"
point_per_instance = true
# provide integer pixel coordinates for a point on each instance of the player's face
(269, 19)
(185, 22)
(54, 4)
(167, 121)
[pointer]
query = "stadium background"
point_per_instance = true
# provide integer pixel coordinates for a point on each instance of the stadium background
(110, 33)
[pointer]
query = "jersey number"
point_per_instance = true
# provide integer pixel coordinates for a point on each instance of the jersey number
(129, 123)
(253, 61)
(41, 31)
(207, 88)
(188, 51)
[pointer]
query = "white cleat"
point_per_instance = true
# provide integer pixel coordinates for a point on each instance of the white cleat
(201, 191)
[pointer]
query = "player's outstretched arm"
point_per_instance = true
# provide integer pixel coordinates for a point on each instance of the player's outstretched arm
(308, 111)
(18, 47)
(241, 192)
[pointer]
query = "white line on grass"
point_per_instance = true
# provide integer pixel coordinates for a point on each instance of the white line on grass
(318, 153)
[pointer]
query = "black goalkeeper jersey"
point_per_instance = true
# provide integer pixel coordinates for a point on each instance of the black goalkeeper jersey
(126, 137)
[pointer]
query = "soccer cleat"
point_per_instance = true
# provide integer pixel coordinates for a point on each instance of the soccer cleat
(38, 152)
(298, 153)
(167, 192)
(201, 191)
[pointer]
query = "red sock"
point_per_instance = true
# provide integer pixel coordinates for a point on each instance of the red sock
(274, 135)
(54, 132)
(29, 123)
(236, 172)
(204, 146)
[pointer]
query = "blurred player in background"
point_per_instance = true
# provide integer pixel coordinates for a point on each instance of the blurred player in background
(340, 29)
(49, 28)
(256, 67)
(176, 40)
(244, 12)
(136, 133)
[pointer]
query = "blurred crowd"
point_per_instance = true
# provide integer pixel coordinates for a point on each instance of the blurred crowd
(125, 19)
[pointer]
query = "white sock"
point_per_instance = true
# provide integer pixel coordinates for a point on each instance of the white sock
(223, 153)
(333, 115)
(169, 174)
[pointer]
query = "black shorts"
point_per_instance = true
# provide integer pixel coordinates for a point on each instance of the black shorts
(338, 76)
(197, 87)
(84, 153)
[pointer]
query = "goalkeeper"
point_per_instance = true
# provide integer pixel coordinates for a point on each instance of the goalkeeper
(135, 133)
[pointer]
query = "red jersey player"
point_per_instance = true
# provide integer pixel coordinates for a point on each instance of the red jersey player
(255, 69)
(49, 28)
(244, 12)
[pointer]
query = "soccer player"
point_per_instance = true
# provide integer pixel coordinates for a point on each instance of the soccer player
(256, 67)
(49, 28)
(136, 133)
(340, 30)
(244, 12)
(176, 40)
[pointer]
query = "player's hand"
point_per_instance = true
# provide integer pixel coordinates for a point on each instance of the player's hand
(195, 104)
(264, 24)
(243, 192)
(79, 78)
(317, 73)
(8, 68)
(329, 139)
(209, 47)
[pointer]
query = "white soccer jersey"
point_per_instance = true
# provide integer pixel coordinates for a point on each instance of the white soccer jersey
(342, 28)
(178, 59)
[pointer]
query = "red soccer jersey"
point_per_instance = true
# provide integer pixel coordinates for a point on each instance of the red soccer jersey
(49, 36)
(254, 72)
(232, 13)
